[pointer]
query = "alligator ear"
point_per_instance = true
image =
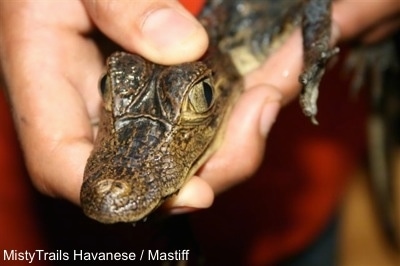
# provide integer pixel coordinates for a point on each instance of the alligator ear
(105, 91)
(103, 83)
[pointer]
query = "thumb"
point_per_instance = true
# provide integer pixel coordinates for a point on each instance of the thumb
(162, 31)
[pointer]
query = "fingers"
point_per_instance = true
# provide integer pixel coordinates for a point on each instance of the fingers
(55, 134)
(355, 18)
(51, 90)
(380, 32)
(239, 156)
(254, 114)
(162, 31)
(242, 149)
(195, 194)
(281, 69)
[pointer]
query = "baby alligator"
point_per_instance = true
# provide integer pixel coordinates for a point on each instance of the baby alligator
(160, 123)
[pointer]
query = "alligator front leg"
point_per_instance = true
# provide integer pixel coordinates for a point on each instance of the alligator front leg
(316, 30)
(256, 28)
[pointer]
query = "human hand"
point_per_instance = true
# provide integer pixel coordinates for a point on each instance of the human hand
(369, 21)
(276, 82)
(50, 62)
(51, 65)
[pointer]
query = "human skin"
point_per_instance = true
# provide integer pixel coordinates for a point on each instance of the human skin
(49, 63)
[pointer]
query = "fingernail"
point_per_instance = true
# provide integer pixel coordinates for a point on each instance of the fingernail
(268, 116)
(166, 27)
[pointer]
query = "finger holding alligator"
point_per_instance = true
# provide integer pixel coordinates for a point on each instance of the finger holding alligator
(181, 115)
(284, 66)
(281, 70)
(264, 88)
(381, 31)
(238, 157)
(140, 28)
(369, 22)
(197, 193)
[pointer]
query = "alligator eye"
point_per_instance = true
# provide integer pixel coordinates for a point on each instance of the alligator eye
(103, 84)
(201, 96)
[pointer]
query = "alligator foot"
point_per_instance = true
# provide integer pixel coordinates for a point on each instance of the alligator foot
(316, 29)
(310, 80)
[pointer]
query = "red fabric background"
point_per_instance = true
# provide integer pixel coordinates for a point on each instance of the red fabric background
(18, 222)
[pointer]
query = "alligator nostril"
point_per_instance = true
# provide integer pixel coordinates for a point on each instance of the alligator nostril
(112, 187)
(103, 186)
(118, 185)
(119, 188)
